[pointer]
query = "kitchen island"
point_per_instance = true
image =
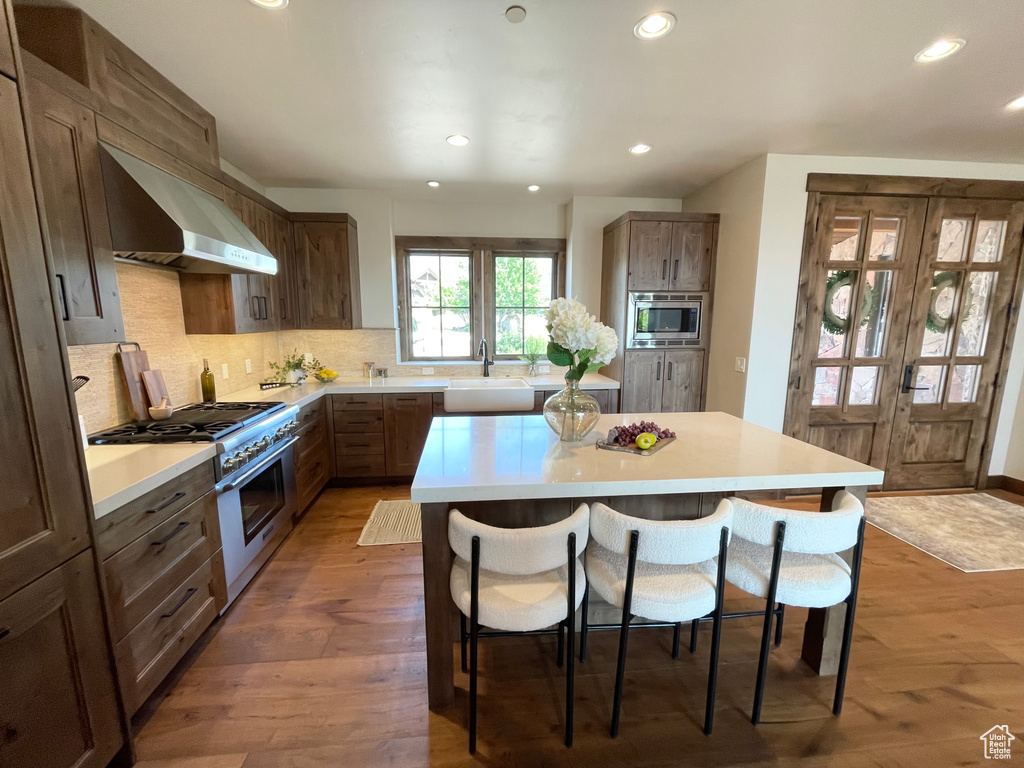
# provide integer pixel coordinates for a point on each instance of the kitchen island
(512, 471)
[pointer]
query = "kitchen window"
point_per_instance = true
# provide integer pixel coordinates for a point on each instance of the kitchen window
(455, 291)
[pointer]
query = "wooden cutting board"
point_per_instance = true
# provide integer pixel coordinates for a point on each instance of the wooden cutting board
(133, 363)
(156, 389)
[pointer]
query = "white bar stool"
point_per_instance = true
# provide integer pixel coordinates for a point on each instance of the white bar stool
(519, 580)
(664, 571)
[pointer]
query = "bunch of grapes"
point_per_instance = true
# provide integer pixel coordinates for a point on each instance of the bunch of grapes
(628, 434)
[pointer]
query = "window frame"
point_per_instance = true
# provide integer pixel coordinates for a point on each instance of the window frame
(482, 279)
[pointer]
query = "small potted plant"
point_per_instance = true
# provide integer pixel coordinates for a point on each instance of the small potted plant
(534, 350)
(294, 369)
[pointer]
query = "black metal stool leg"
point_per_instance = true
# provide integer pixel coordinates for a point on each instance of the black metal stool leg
(570, 659)
(584, 630)
(851, 607)
(778, 624)
(561, 643)
(716, 634)
(463, 638)
(675, 640)
(769, 612)
(627, 604)
(474, 629)
(694, 627)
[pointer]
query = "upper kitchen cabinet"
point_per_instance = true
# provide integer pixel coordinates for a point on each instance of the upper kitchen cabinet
(77, 232)
(667, 251)
(327, 259)
(286, 288)
(43, 507)
(6, 44)
(136, 96)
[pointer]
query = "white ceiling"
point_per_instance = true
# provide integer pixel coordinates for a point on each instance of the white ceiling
(361, 93)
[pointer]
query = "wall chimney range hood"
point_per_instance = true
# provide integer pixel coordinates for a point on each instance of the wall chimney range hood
(159, 219)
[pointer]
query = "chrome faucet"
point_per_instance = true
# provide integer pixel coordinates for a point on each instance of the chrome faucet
(483, 351)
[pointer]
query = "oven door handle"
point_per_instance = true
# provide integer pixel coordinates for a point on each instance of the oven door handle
(266, 462)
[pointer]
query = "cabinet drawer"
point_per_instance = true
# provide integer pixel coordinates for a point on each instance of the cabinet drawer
(357, 445)
(310, 442)
(362, 465)
(357, 402)
(152, 649)
(311, 414)
(311, 478)
(143, 573)
(359, 422)
(124, 525)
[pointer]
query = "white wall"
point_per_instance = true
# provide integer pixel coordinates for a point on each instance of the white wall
(586, 218)
(372, 211)
(242, 176)
(453, 219)
(738, 197)
(1014, 448)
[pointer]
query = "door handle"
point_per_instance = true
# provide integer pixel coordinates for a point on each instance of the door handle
(664, 269)
(180, 527)
(657, 376)
(166, 504)
(669, 377)
(181, 603)
(263, 307)
(908, 381)
(675, 271)
(255, 301)
(284, 308)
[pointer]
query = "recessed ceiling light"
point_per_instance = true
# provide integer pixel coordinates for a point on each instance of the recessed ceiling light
(940, 49)
(516, 14)
(654, 25)
(433, 183)
(640, 149)
(1017, 103)
(534, 188)
(458, 140)
(270, 3)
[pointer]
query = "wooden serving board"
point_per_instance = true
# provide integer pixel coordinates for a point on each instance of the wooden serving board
(631, 448)
(155, 387)
(133, 363)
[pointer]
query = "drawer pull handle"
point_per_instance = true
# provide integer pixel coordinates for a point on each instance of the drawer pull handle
(185, 599)
(4, 632)
(166, 504)
(178, 529)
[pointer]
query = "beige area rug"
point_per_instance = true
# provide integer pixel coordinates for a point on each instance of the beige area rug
(970, 531)
(392, 522)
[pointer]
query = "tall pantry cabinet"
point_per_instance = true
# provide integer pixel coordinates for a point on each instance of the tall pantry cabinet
(58, 707)
(665, 254)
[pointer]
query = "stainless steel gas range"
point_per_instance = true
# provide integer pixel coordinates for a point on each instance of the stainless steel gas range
(254, 470)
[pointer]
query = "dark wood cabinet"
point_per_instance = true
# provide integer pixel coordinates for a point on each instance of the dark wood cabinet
(658, 381)
(327, 259)
(312, 454)
(59, 706)
(359, 435)
(650, 251)
(43, 506)
(287, 274)
(693, 243)
(77, 230)
(406, 424)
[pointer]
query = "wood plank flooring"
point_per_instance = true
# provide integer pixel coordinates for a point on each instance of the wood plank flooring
(321, 663)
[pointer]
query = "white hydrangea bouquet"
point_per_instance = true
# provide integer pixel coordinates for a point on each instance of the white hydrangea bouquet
(578, 340)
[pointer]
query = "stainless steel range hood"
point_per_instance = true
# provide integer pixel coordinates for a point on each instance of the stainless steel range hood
(158, 218)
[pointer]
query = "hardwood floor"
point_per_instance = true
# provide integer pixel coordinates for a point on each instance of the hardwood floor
(321, 663)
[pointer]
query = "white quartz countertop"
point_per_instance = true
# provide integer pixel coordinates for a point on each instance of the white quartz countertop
(519, 457)
(119, 474)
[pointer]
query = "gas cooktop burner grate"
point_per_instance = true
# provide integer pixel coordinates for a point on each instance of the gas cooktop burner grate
(192, 424)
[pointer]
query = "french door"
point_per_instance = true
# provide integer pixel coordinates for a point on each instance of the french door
(901, 333)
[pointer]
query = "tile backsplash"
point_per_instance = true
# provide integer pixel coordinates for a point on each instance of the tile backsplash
(151, 305)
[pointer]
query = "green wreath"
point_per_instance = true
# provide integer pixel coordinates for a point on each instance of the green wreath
(943, 280)
(835, 282)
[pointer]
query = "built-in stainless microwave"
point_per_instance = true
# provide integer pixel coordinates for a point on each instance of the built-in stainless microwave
(664, 319)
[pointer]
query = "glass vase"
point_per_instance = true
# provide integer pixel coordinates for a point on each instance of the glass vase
(571, 413)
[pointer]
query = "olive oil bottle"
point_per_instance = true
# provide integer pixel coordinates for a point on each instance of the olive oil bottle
(206, 382)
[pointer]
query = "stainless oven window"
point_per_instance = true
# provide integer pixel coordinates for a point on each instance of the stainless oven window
(667, 320)
(261, 499)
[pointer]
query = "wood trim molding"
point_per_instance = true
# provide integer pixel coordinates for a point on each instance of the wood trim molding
(913, 186)
(241, 188)
(1005, 483)
(711, 218)
(339, 218)
(429, 242)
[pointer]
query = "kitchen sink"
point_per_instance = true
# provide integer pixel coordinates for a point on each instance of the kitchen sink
(490, 394)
